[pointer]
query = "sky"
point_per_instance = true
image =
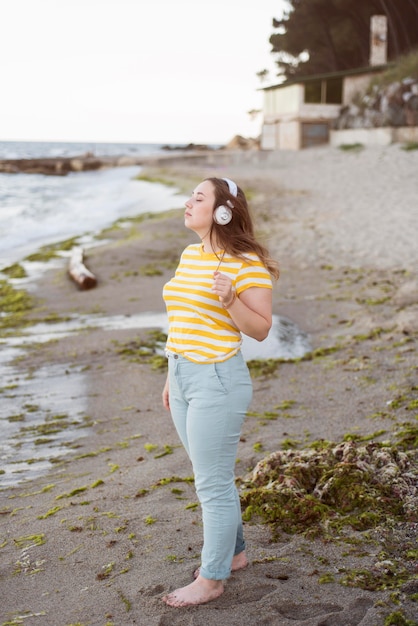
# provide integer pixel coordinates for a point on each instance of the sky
(148, 71)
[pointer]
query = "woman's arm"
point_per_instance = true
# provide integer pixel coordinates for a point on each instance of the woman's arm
(251, 311)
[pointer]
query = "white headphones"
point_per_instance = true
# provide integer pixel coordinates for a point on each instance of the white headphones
(223, 214)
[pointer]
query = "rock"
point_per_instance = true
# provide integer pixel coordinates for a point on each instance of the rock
(76, 165)
(407, 294)
(59, 166)
(126, 161)
(243, 143)
(407, 320)
(190, 146)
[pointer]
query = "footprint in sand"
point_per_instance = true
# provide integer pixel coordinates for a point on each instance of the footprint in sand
(300, 612)
(171, 619)
(348, 616)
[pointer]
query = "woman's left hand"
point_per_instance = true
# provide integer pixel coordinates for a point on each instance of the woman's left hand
(222, 286)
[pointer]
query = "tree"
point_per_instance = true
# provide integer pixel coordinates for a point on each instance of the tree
(319, 36)
(263, 75)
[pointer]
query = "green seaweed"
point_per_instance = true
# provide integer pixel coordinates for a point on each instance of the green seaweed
(173, 479)
(97, 483)
(391, 577)
(158, 362)
(42, 441)
(94, 453)
(326, 579)
(122, 528)
(373, 334)
(14, 271)
(51, 426)
(267, 416)
(150, 269)
(29, 540)
(145, 350)
(107, 570)
(167, 450)
(285, 404)
(16, 304)
(324, 489)
(371, 437)
(319, 353)
(51, 512)
(288, 443)
(141, 493)
(407, 436)
(51, 251)
(73, 492)
(161, 179)
(410, 145)
(351, 147)
(20, 417)
(265, 368)
(127, 603)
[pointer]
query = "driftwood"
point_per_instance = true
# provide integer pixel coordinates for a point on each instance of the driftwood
(79, 272)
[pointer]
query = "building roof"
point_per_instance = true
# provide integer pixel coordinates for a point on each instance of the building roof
(298, 80)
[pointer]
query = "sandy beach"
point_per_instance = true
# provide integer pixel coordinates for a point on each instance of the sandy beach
(114, 524)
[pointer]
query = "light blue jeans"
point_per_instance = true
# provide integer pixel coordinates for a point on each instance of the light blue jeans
(208, 403)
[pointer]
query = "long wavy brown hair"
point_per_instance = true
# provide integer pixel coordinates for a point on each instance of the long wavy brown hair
(237, 238)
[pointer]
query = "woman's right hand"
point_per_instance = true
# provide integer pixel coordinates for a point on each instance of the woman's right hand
(165, 395)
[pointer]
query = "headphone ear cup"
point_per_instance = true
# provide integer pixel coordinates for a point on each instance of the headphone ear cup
(222, 215)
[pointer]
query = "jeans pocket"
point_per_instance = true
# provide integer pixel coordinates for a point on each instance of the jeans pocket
(222, 375)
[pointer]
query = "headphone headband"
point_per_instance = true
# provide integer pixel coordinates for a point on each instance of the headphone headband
(233, 189)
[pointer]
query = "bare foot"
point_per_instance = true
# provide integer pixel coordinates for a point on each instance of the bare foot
(239, 561)
(200, 591)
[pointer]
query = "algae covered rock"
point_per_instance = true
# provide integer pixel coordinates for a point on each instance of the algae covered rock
(329, 486)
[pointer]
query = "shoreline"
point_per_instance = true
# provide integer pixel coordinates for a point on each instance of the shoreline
(78, 207)
(107, 532)
(63, 165)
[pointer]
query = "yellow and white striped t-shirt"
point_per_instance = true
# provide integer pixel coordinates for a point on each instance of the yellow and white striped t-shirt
(199, 327)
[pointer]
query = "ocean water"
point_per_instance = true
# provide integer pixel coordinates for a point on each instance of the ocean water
(36, 210)
(50, 149)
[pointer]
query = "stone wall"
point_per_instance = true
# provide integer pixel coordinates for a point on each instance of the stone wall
(394, 105)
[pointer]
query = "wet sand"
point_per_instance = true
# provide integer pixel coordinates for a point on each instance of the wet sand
(113, 526)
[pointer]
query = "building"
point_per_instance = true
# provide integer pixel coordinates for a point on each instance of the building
(299, 112)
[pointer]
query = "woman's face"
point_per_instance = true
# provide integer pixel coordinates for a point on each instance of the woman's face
(199, 209)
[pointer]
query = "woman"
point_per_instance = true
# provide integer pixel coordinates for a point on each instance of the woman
(221, 288)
